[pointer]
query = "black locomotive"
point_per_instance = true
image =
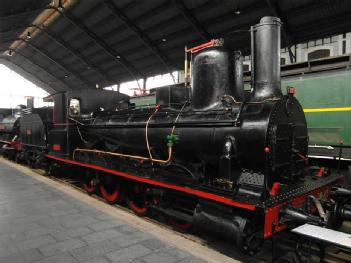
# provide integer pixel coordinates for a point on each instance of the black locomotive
(9, 130)
(212, 156)
(7, 120)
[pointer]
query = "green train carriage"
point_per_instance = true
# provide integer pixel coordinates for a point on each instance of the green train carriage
(323, 88)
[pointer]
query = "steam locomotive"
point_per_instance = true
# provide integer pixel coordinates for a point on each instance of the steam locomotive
(211, 156)
(9, 126)
(7, 120)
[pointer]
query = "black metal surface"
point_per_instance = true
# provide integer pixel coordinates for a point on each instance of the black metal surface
(222, 223)
(7, 124)
(294, 215)
(329, 152)
(63, 132)
(215, 136)
(34, 127)
(238, 87)
(92, 101)
(172, 96)
(266, 58)
(213, 77)
(202, 135)
(309, 184)
(251, 178)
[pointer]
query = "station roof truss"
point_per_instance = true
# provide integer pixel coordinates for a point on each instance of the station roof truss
(69, 44)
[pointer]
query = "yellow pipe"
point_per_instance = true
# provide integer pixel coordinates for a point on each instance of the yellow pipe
(127, 155)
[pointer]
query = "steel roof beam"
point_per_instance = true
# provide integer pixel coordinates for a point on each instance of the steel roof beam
(287, 32)
(100, 42)
(307, 32)
(182, 32)
(138, 19)
(58, 63)
(73, 51)
(43, 69)
(250, 8)
(253, 7)
(117, 12)
(180, 5)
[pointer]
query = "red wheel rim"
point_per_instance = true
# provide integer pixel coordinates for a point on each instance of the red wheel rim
(140, 211)
(137, 209)
(90, 186)
(110, 197)
(180, 225)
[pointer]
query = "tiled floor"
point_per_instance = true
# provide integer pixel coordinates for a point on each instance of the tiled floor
(39, 223)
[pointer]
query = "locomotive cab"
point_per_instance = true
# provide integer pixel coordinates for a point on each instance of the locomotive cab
(75, 107)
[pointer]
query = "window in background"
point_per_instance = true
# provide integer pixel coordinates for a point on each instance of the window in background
(134, 88)
(319, 53)
(162, 80)
(131, 88)
(282, 61)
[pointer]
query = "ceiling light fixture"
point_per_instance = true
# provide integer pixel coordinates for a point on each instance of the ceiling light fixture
(10, 53)
(164, 40)
(118, 56)
(236, 8)
(29, 36)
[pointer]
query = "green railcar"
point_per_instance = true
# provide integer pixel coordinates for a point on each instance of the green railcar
(323, 87)
(144, 100)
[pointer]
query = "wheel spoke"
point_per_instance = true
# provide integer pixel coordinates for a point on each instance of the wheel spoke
(110, 196)
(90, 182)
(89, 186)
(137, 201)
(110, 188)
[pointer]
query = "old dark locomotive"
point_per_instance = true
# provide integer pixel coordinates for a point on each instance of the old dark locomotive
(216, 155)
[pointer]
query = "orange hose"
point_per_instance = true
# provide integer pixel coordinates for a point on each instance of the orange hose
(137, 157)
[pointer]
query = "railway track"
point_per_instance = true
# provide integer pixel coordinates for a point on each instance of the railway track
(285, 240)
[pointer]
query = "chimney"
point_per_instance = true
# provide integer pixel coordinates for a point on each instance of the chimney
(265, 55)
